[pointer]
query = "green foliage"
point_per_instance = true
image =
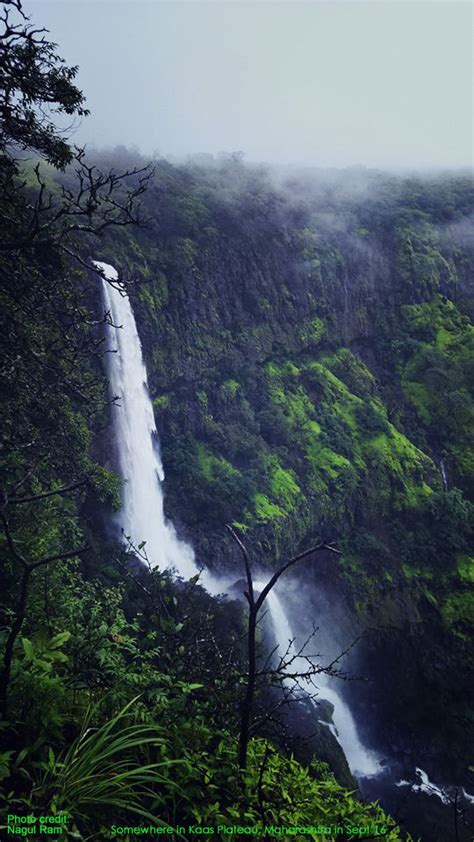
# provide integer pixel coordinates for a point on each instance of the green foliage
(371, 419)
(100, 771)
(230, 388)
(454, 519)
(41, 653)
(349, 447)
(352, 371)
(437, 378)
(458, 614)
(284, 486)
(420, 264)
(215, 489)
(265, 510)
(247, 305)
(167, 756)
(312, 333)
(153, 294)
(465, 566)
(36, 86)
(354, 380)
(280, 791)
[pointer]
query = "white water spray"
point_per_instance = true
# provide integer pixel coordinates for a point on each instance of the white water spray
(362, 763)
(423, 784)
(141, 517)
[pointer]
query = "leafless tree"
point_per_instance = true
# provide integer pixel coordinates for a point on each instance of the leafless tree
(283, 672)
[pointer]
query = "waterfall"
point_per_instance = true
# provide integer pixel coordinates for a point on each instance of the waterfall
(444, 477)
(362, 763)
(141, 516)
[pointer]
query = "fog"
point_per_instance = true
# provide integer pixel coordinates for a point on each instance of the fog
(378, 84)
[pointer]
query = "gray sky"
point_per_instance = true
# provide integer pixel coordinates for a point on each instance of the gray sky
(331, 83)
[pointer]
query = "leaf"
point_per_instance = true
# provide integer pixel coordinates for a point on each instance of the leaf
(4, 767)
(21, 756)
(59, 656)
(28, 648)
(59, 639)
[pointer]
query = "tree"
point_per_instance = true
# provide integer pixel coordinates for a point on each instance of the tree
(50, 341)
(36, 87)
(255, 605)
(28, 567)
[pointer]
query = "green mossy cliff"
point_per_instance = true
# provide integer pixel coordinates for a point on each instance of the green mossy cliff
(310, 360)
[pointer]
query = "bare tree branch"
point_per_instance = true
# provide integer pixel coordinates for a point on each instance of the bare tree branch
(254, 608)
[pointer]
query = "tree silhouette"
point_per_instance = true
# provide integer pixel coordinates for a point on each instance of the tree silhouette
(255, 605)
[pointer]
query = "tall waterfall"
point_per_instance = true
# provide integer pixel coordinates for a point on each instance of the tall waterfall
(362, 763)
(141, 516)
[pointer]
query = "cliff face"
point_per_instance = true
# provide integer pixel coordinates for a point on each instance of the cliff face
(310, 358)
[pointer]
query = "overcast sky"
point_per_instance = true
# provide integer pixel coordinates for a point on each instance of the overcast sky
(331, 83)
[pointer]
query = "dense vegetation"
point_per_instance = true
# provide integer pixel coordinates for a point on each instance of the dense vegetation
(310, 361)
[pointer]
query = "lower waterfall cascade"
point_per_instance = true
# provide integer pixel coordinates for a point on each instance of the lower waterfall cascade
(361, 761)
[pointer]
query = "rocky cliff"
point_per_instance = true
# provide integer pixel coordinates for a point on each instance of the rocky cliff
(310, 358)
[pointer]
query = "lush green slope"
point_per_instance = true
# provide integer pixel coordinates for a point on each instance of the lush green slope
(311, 363)
(310, 366)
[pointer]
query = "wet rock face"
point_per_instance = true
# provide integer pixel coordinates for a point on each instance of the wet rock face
(308, 737)
(406, 708)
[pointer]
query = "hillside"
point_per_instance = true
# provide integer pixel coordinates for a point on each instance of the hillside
(302, 341)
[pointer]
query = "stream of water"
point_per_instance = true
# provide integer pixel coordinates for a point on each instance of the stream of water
(361, 761)
(141, 516)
